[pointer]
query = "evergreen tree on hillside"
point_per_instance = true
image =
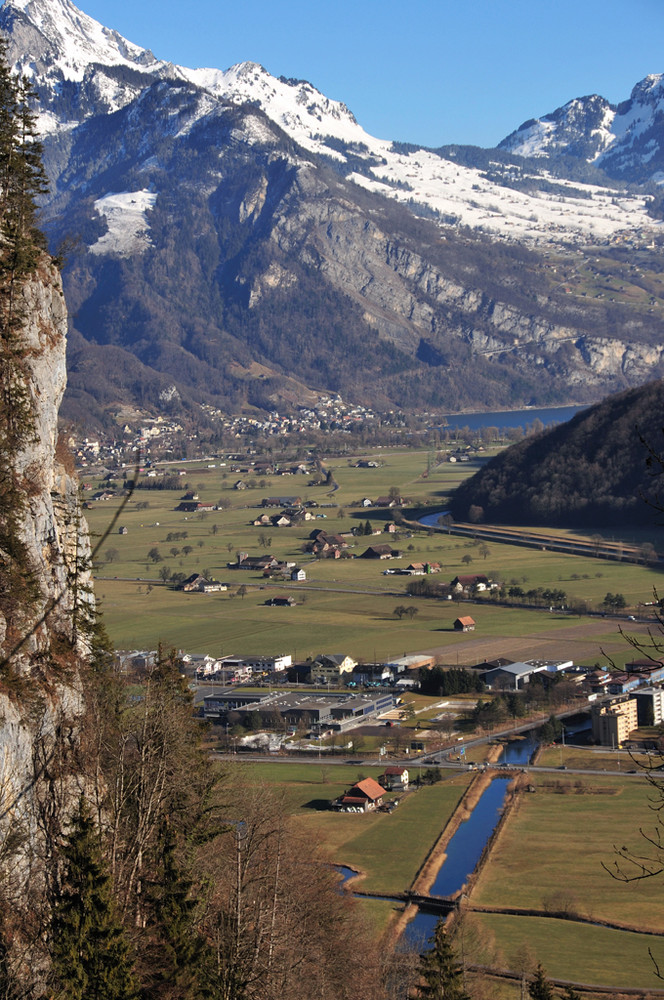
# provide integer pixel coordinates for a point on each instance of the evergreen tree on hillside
(440, 971)
(178, 950)
(22, 181)
(91, 956)
(540, 988)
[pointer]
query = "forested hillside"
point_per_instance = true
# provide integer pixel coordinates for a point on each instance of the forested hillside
(599, 469)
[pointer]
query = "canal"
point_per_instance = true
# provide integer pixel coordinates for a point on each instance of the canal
(462, 856)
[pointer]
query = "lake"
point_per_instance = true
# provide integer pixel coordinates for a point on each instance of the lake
(511, 418)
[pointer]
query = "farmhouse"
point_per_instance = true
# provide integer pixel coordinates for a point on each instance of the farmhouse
(255, 563)
(382, 551)
(394, 777)
(196, 583)
(462, 584)
(464, 624)
(362, 797)
(281, 502)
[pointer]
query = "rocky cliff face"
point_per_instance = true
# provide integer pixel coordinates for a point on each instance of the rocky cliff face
(46, 599)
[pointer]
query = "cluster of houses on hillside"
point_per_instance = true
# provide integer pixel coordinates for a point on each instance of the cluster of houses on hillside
(159, 436)
(326, 413)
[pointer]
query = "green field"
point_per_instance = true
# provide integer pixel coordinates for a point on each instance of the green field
(596, 759)
(549, 854)
(388, 847)
(573, 951)
(554, 847)
(344, 604)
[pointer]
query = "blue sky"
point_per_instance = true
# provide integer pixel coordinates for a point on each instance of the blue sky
(427, 71)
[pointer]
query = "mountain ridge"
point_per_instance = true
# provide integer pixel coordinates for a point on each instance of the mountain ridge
(223, 217)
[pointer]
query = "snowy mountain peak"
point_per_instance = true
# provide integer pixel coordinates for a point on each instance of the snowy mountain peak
(649, 90)
(73, 39)
(63, 43)
(579, 128)
(84, 72)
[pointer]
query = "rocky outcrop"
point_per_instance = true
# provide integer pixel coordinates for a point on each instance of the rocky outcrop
(47, 598)
(50, 526)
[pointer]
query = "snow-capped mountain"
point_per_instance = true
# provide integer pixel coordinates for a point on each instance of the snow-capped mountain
(582, 128)
(227, 223)
(80, 67)
(626, 141)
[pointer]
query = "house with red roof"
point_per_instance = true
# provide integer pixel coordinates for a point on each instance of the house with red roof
(362, 797)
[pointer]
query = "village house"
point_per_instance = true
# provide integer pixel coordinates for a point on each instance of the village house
(281, 502)
(201, 584)
(258, 664)
(365, 796)
(464, 624)
(322, 544)
(394, 778)
(253, 563)
(371, 674)
(195, 506)
(382, 551)
(470, 581)
(329, 668)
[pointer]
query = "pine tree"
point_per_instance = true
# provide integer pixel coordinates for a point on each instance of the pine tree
(178, 949)
(540, 988)
(440, 970)
(90, 954)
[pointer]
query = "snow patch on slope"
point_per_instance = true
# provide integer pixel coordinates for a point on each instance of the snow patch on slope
(128, 228)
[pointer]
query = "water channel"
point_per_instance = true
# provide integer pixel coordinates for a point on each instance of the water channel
(463, 853)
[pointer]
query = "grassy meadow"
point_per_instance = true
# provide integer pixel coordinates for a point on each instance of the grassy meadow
(388, 848)
(572, 951)
(549, 854)
(345, 604)
(553, 850)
